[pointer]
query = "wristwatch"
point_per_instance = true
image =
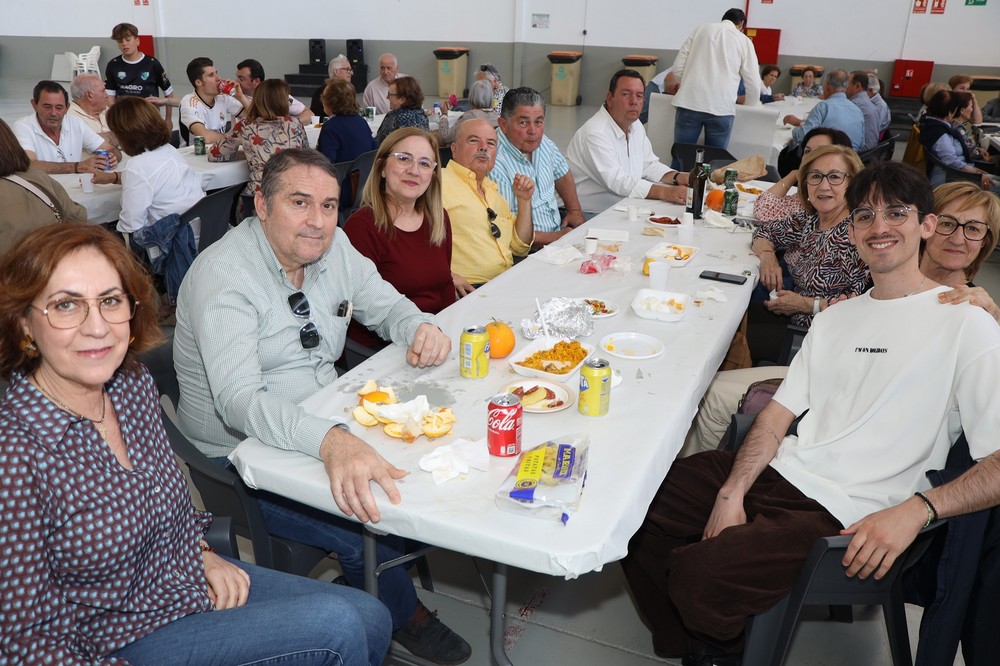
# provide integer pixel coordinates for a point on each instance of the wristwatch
(675, 177)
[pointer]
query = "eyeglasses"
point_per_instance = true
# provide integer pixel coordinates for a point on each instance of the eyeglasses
(391, 95)
(69, 313)
(308, 335)
(343, 69)
(494, 229)
(406, 159)
(834, 177)
(894, 215)
(974, 230)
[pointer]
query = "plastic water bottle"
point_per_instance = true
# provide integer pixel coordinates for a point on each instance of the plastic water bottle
(437, 111)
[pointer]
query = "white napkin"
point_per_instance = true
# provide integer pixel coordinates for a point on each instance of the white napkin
(400, 412)
(712, 293)
(452, 460)
(715, 219)
(559, 255)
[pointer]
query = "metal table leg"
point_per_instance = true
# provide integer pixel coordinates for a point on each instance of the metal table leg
(497, 614)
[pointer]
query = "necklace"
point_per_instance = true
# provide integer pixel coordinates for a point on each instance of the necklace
(99, 423)
(918, 287)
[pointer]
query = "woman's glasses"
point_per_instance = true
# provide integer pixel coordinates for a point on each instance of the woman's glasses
(72, 312)
(406, 159)
(834, 177)
(974, 230)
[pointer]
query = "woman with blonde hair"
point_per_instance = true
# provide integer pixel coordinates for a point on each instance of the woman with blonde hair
(267, 129)
(402, 225)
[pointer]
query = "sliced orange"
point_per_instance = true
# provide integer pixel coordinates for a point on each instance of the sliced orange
(377, 397)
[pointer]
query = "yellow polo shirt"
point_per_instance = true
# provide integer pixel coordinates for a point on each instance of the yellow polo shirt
(475, 254)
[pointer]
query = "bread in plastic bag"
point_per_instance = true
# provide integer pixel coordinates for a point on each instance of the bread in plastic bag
(548, 480)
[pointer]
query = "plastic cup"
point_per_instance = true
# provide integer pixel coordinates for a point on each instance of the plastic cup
(87, 182)
(633, 213)
(590, 245)
(685, 233)
(658, 272)
(687, 220)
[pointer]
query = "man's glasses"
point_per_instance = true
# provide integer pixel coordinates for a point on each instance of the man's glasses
(406, 159)
(308, 335)
(344, 69)
(894, 215)
(974, 230)
(494, 229)
(72, 312)
(834, 177)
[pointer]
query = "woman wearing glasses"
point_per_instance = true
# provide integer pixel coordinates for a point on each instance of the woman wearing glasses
(402, 225)
(822, 262)
(104, 559)
(405, 108)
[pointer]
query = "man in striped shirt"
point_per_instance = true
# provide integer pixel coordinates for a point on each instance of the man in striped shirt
(523, 148)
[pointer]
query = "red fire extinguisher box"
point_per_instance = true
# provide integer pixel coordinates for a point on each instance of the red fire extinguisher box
(909, 76)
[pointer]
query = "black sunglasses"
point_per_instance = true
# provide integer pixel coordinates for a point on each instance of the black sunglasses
(494, 229)
(308, 335)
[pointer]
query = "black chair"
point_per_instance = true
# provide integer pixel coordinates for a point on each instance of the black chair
(221, 536)
(175, 138)
(343, 179)
(822, 582)
(684, 152)
(216, 213)
(357, 177)
(882, 151)
(951, 174)
(445, 156)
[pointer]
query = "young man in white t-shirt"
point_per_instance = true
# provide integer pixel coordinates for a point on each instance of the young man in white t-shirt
(206, 111)
(889, 379)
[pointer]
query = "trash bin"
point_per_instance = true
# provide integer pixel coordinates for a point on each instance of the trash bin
(795, 72)
(566, 78)
(453, 67)
(644, 64)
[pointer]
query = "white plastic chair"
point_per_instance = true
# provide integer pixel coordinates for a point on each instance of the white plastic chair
(87, 63)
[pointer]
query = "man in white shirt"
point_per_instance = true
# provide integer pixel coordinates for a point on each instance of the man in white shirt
(377, 92)
(611, 157)
(90, 104)
(250, 74)
(886, 397)
(206, 111)
(709, 67)
(55, 142)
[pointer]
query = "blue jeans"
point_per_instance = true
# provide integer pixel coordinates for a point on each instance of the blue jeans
(286, 620)
(688, 125)
(298, 522)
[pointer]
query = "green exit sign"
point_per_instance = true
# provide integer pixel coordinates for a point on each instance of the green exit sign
(975, 2)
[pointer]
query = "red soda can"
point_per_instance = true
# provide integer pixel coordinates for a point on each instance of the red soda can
(227, 87)
(503, 425)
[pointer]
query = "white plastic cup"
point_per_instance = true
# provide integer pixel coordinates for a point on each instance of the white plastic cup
(687, 220)
(87, 182)
(633, 213)
(685, 233)
(590, 245)
(658, 272)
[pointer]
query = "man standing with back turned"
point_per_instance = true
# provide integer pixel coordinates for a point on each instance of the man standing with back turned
(889, 380)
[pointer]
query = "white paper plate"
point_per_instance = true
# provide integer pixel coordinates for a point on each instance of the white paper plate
(632, 346)
(611, 308)
(663, 252)
(537, 345)
(644, 294)
(561, 392)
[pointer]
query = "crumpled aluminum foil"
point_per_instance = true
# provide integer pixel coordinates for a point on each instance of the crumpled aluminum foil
(565, 317)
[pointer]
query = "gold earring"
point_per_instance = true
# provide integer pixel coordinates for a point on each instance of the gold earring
(131, 340)
(27, 345)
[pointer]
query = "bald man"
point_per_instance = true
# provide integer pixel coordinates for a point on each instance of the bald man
(377, 92)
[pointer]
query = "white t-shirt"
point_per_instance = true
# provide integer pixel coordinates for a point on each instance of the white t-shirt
(195, 110)
(889, 386)
(74, 137)
(608, 165)
(155, 184)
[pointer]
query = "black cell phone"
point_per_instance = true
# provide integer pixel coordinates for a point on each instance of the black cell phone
(723, 277)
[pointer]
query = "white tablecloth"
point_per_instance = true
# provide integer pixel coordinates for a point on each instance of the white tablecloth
(103, 205)
(630, 449)
(799, 107)
(216, 175)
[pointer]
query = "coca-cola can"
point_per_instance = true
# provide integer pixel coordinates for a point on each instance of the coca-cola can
(227, 87)
(503, 425)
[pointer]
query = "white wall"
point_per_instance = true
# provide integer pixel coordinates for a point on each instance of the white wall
(880, 30)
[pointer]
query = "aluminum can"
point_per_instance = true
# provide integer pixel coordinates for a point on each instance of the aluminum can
(199, 145)
(227, 87)
(474, 353)
(503, 425)
(107, 156)
(730, 201)
(595, 387)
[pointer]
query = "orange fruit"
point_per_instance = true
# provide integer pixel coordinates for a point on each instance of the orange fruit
(377, 397)
(501, 339)
(714, 199)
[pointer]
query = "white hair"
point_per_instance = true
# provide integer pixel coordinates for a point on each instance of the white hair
(81, 84)
(873, 84)
(339, 60)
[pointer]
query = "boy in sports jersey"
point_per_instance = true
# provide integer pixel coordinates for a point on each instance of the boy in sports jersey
(135, 73)
(889, 379)
(207, 110)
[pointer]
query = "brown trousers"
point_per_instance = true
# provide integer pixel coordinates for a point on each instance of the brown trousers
(694, 593)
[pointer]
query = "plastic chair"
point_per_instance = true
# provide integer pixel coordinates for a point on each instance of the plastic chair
(445, 156)
(215, 211)
(951, 174)
(343, 179)
(221, 536)
(361, 168)
(88, 63)
(685, 153)
(822, 582)
(882, 151)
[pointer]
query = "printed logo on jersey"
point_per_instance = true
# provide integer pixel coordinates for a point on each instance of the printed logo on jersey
(121, 75)
(144, 76)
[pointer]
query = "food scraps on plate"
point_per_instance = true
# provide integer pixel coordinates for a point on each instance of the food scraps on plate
(558, 359)
(402, 420)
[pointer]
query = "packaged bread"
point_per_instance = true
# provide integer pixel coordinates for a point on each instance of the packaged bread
(547, 481)
(749, 168)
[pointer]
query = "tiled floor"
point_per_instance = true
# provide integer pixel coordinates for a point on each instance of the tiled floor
(590, 620)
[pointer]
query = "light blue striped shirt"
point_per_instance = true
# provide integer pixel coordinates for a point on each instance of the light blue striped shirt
(545, 167)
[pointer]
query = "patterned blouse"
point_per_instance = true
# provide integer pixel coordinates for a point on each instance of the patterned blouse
(774, 208)
(401, 118)
(801, 91)
(821, 263)
(94, 556)
(259, 139)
